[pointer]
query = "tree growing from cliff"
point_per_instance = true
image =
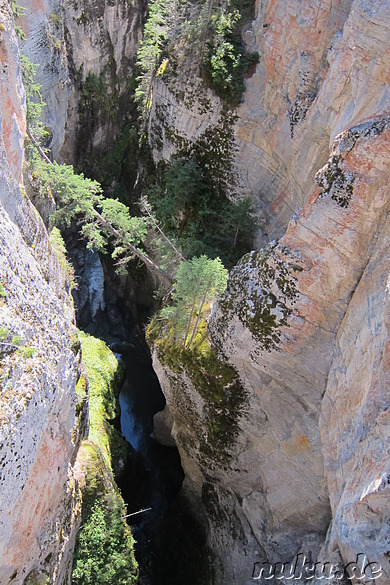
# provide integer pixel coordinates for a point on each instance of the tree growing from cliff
(202, 220)
(197, 282)
(156, 33)
(107, 223)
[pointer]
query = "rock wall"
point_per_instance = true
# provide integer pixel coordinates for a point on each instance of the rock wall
(321, 70)
(86, 52)
(303, 320)
(354, 419)
(39, 501)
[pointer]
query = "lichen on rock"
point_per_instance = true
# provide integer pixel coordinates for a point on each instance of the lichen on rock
(261, 293)
(335, 181)
(299, 108)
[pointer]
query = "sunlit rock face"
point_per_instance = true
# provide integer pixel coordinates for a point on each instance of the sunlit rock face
(322, 69)
(39, 498)
(292, 322)
(354, 419)
(297, 322)
(304, 318)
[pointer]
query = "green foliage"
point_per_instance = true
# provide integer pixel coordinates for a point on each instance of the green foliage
(204, 221)
(34, 101)
(114, 224)
(104, 554)
(16, 340)
(105, 220)
(217, 383)
(95, 90)
(104, 548)
(197, 282)
(60, 251)
(156, 33)
(56, 18)
(28, 352)
(226, 62)
(208, 31)
(74, 193)
(3, 333)
(10, 343)
(119, 162)
(224, 57)
(104, 375)
(18, 11)
(3, 292)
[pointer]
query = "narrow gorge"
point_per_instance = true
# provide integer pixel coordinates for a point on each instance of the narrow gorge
(194, 292)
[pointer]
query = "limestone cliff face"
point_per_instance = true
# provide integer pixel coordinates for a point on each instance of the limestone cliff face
(39, 498)
(86, 52)
(322, 69)
(279, 324)
(354, 418)
(304, 319)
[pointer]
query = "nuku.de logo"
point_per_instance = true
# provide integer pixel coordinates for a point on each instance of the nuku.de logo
(301, 568)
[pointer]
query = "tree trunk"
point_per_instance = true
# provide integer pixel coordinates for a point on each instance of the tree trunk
(145, 209)
(195, 329)
(38, 146)
(111, 230)
(189, 324)
(145, 259)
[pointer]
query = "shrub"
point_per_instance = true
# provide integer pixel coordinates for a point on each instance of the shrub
(189, 208)
(104, 548)
(104, 553)
(226, 61)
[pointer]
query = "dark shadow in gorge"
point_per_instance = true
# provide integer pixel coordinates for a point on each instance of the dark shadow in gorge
(171, 537)
(156, 475)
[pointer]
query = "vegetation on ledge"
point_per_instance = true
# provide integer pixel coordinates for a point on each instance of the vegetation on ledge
(58, 245)
(217, 382)
(207, 31)
(226, 62)
(104, 548)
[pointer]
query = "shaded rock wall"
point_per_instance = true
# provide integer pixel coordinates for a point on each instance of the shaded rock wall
(74, 41)
(39, 497)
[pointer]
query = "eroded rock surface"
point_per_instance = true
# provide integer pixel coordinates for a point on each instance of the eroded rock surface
(303, 321)
(38, 370)
(321, 70)
(86, 52)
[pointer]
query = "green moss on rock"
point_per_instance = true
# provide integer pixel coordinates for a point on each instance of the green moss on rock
(104, 548)
(261, 291)
(217, 383)
(105, 374)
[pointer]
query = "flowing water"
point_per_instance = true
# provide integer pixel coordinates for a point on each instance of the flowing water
(154, 476)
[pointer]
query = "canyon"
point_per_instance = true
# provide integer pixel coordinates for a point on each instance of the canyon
(284, 445)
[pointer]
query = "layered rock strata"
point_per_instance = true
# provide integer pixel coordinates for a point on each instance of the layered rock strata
(322, 69)
(303, 321)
